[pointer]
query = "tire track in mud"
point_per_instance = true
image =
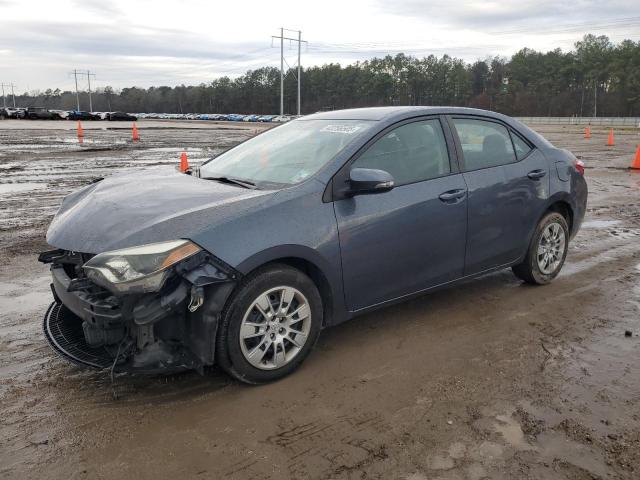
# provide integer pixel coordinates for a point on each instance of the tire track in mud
(326, 448)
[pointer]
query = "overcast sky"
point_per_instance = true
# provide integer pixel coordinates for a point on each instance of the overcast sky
(147, 42)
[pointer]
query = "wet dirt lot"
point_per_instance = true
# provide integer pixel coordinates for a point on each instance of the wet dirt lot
(489, 379)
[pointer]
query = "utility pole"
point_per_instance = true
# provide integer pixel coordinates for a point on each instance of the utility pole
(4, 101)
(299, 42)
(595, 99)
(282, 38)
(13, 96)
(75, 75)
(89, 75)
(281, 71)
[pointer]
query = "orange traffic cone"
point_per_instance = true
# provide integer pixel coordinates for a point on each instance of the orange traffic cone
(587, 132)
(136, 137)
(184, 163)
(635, 165)
(610, 140)
(80, 131)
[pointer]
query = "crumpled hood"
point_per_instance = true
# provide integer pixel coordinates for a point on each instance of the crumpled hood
(151, 205)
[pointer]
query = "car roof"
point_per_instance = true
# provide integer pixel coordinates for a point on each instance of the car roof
(385, 113)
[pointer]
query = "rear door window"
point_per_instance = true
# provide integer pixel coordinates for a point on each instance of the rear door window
(484, 144)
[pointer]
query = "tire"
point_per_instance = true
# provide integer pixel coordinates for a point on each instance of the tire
(255, 346)
(535, 268)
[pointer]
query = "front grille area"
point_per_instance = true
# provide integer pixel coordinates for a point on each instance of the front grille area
(63, 331)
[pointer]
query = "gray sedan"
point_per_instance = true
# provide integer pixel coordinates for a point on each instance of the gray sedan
(244, 261)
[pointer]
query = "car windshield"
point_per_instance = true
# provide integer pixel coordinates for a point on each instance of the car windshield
(287, 154)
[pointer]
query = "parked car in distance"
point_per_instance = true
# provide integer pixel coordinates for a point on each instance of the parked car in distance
(266, 118)
(11, 112)
(60, 114)
(304, 226)
(113, 116)
(38, 113)
(81, 115)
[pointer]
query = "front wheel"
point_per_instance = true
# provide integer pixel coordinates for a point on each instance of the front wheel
(547, 251)
(270, 325)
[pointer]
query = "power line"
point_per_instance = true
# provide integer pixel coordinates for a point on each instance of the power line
(615, 23)
(417, 49)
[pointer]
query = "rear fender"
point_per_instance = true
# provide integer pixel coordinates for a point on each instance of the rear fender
(564, 197)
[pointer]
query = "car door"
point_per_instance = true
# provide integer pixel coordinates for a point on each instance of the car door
(411, 237)
(508, 182)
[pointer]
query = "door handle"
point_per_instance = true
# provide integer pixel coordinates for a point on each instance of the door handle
(452, 195)
(536, 174)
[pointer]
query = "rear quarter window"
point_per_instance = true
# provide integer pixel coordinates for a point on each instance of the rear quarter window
(522, 148)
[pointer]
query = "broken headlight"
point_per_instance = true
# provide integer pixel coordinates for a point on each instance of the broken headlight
(138, 269)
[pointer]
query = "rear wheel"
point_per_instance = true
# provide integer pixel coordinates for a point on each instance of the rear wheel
(547, 251)
(270, 325)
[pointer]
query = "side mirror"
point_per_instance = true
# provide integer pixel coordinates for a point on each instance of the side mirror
(368, 180)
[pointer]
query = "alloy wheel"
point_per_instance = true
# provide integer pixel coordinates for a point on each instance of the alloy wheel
(275, 328)
(551, 248)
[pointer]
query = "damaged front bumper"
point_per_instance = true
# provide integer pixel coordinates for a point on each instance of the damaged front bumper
(169, 330)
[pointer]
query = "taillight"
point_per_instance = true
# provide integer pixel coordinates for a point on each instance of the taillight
(579, 164)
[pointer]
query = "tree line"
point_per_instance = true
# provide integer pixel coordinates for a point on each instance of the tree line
(598, 76)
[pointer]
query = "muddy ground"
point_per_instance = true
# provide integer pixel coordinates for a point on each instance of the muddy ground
(489, 379)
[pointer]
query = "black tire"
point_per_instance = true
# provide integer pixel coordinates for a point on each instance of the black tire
(529, 270)
(229, 355)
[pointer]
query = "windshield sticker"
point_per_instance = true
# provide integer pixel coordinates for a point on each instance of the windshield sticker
(348, 129)
(300, 176)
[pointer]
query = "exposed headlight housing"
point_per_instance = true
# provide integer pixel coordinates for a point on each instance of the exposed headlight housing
(138, 269)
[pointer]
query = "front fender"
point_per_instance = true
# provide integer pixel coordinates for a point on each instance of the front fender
(310, 256)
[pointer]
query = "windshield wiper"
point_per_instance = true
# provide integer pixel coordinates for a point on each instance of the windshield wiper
(234, 181)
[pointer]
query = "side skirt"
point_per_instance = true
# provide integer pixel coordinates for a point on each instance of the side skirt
(419, 293)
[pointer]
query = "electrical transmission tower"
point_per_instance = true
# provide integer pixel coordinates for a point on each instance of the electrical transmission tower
(89, 75)
(4, 100)
(299, 40)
